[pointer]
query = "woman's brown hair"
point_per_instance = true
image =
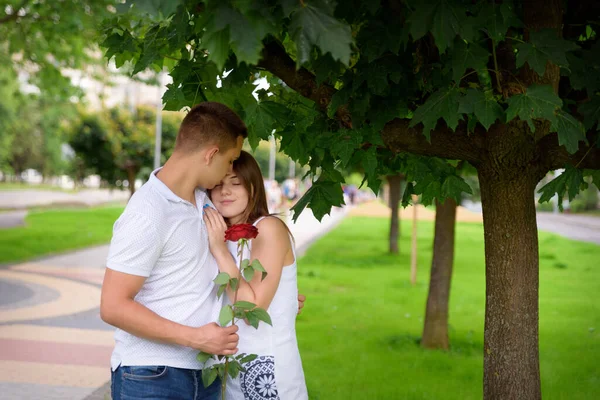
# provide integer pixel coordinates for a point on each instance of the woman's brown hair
(248, 172)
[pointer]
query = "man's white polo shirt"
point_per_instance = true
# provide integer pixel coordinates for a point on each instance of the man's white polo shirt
(163, 238)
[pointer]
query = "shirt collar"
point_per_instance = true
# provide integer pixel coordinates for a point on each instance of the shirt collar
(201, 196)
(162, 188)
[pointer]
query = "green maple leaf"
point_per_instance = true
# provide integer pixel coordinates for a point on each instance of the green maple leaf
(312, 26)
(262, 118)
(590, 112)
(246, 34)
(369, 161)
(118, 44)
(544, 46)
(320, 198)
(429, 188)
(338, 99)
(293, 146)
(217, 44)
(445, 19)
(539, 101)
(466, 56)
(568, 182)
(174, 98)
(496, 19)
(570, 131)
(344, 148)
(156, 8)
(441, 104)
(595, 174)
(484, 106)
(454, 186)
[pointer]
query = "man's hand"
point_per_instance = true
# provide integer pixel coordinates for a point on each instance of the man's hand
(214, 339)
(301, 300)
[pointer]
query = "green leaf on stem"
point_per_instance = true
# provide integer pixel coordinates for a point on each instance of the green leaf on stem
(222, 278)
(441, 104)
(570, 131)
(313, 26)
(244, 305)
(234, 283)
(252, 319)
(544, 46)
(257, 266)
(465, 56)
(539, 101)
(221, 291)
(203, 357)
(248, 273)
(245, 263)
(262, 315)
(226, 315)
(248, 357)
(568, 182)
(208, 376)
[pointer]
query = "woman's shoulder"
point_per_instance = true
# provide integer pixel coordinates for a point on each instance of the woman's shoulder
(271, 225)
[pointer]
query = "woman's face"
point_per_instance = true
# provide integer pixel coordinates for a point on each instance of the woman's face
(230, 197)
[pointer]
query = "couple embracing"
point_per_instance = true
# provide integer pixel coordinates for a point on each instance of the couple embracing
(168, 246)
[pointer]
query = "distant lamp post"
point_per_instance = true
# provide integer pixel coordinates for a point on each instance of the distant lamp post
(272, 154)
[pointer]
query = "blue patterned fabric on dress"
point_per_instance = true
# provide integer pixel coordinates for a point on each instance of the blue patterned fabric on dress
(258, 382)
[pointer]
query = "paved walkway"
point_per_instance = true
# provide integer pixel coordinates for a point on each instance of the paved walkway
(585, 228)
(53, 344)
(22, 199)
(12, 219)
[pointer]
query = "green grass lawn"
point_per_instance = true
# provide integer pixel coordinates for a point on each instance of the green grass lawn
(55, 231)
(360, 329)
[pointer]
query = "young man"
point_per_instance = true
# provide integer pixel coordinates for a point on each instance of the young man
(158, 288)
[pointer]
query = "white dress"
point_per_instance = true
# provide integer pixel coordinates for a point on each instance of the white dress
(276, 374)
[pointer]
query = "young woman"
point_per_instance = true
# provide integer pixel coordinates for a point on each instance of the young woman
(277, 372)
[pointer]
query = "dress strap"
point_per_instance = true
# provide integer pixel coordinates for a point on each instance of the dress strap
(260, 219)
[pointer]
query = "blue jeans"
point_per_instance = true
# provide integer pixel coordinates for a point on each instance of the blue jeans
(153, 382)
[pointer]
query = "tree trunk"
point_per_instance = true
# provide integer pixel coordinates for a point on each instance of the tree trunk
(435, 331)
(413, 249)
(394, 201)
(131, 174)
(511, 359)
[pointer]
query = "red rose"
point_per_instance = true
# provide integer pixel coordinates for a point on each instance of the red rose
(241, 231)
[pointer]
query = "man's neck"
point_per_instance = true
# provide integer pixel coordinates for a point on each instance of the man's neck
(177, 177)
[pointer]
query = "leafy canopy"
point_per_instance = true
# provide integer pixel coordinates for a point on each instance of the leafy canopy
(351, 68)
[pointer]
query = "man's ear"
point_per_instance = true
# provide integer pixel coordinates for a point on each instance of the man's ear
(210, 154)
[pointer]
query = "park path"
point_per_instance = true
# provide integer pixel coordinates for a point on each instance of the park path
(28, 198)
(53, 344)
(585, 228)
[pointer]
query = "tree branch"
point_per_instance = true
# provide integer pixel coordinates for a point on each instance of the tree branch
(396, 134)
(555, 156)
(276, 60)
(15, 13)
(445, 143)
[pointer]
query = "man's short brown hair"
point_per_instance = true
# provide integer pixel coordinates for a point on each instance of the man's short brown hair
(210, 123)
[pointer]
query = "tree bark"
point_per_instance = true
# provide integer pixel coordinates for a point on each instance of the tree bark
(511, 359)
(131, 174)
(413, 249)
(394, 201)
(435, 331)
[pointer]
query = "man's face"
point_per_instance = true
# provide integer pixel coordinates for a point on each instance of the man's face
(222, 163)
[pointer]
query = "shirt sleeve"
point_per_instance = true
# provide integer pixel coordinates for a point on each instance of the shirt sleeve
(135, 246)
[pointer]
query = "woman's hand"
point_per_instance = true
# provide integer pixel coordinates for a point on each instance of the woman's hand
(216, 226)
